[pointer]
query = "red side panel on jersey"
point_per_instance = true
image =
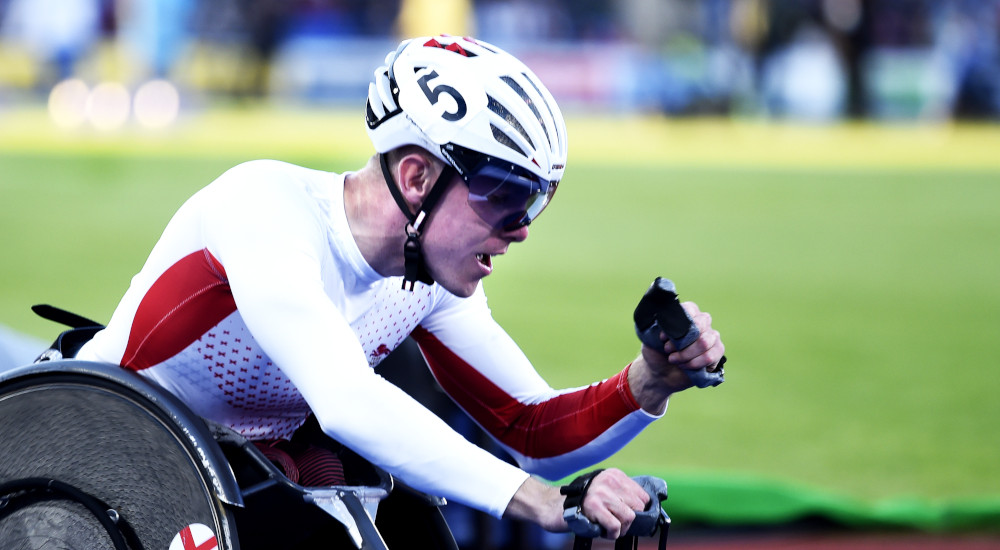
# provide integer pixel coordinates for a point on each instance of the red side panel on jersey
(187, 300)
(555, 427)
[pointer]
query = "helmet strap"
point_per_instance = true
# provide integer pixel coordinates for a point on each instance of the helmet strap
(414, 265)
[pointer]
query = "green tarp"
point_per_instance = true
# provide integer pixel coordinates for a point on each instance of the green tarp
(747, 501)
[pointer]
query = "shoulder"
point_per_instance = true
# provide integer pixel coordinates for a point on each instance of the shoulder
(270, 171)
(268, 181)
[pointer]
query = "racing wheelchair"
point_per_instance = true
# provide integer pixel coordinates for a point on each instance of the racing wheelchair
(93, 456)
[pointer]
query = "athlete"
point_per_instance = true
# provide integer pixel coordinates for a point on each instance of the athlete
(274, 291)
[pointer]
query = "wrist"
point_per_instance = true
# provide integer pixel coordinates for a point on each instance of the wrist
(575, 493)
(650, 389)
(538, 503)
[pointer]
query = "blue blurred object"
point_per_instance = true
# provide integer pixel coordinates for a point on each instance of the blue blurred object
(18, 349)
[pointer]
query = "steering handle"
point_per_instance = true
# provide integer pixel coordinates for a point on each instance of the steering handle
(658, 311)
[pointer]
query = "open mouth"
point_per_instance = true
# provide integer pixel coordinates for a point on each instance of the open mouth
(485, 259)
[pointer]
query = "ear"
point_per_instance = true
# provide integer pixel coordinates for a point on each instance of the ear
(416, 174)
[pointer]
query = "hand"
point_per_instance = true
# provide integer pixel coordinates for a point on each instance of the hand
(706, 351)
(612, 502)
(657, 373)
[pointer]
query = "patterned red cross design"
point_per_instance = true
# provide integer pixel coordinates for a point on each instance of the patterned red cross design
(188, 541)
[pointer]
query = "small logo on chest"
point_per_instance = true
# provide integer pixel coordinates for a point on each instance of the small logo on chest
(378, 353)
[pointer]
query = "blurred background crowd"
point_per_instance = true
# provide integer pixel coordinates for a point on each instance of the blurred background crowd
(812, 60)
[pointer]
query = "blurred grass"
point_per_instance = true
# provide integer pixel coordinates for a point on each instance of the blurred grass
(851, 269)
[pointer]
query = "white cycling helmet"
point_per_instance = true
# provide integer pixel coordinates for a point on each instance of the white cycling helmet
(484, 114)
(441, 91)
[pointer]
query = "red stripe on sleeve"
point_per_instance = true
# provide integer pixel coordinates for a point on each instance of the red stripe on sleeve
(187, 300)
(552, 428)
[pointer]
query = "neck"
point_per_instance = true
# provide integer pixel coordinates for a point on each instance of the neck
(375, 220)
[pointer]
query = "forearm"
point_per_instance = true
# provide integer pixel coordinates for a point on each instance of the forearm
(538, 503)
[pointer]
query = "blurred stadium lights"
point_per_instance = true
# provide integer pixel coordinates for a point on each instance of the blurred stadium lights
(813, 60)
(157, 104)
(109, 105)
(68, 103)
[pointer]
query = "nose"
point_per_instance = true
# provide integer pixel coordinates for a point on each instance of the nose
(515, 235)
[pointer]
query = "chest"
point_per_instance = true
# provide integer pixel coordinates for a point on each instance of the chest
(382, 318)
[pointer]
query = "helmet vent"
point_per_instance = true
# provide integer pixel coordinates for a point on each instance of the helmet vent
(503, 113)
(531, 104)
(505, 140)
(370, 116)
(551, 114)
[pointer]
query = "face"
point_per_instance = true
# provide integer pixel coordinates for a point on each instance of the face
(459, 246)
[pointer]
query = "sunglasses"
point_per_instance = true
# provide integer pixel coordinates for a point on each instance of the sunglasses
(503, 194)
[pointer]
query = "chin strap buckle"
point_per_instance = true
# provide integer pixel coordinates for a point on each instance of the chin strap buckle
(415, 269)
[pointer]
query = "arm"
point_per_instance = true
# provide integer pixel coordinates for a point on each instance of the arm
(648, 382)
(551, 433)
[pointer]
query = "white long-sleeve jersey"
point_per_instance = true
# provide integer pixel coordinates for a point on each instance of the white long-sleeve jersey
(256, 307)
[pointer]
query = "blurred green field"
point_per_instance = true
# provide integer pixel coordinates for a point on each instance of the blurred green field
(852, 271)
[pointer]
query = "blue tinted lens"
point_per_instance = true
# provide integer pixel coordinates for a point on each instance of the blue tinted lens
(507, 197)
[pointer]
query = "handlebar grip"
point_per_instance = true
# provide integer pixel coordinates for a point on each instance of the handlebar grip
(645, 523)
(659, 310)
(654, 517)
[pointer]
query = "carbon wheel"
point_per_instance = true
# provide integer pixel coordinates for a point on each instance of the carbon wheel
(121, 443)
